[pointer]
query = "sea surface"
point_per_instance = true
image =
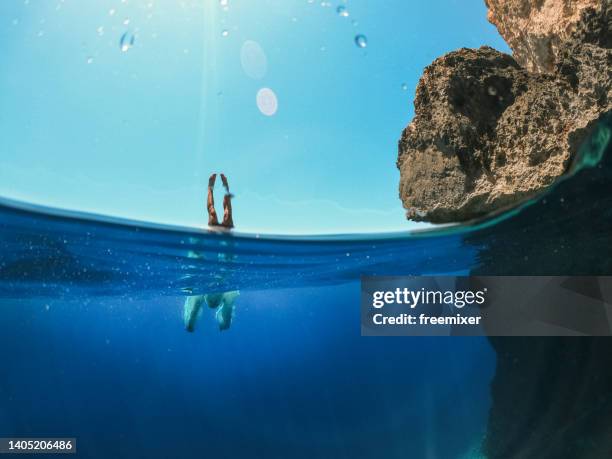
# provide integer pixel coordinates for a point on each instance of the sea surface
(93, 345)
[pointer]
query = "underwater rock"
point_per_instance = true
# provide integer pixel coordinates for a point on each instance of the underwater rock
(536, 30)
(488, 134)
(551, 397)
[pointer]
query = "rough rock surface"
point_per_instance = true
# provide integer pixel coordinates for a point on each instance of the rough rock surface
(535, 30)
(488, 133)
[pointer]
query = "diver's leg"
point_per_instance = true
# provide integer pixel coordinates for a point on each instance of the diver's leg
(224, 316)
(228, 220)
(225, 313)
(191, 311)
(210, 202)
(225, 184)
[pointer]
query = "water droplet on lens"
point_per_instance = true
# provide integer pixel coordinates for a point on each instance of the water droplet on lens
(126, 41)
(342, 11)
(404, 87)
(361, 41)
(225, 33)
(267, 101)
(253, 59)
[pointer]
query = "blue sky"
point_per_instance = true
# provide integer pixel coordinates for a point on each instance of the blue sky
(85, 125)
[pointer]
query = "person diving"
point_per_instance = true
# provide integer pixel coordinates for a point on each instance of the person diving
(213, 221)
(223, 302)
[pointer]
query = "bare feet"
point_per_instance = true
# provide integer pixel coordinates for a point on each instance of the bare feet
(211, 180)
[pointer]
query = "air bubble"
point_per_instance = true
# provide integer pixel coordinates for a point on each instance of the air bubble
(404, 87)
(126, 41)
(361, 41)
(342, 11)
(224, 33)
(89, 60)
(492, 91)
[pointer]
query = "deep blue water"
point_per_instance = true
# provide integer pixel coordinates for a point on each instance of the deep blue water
(92, 342)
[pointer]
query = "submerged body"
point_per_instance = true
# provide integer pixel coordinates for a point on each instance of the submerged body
(222, 302)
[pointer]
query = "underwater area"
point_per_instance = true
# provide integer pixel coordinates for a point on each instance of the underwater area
(113, 117)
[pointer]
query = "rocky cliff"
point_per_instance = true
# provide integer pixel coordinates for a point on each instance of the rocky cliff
(489, 131)
(551, 397)
(537, 30)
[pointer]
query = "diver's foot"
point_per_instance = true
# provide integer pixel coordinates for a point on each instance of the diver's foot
(211, 180)
(225, 184)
